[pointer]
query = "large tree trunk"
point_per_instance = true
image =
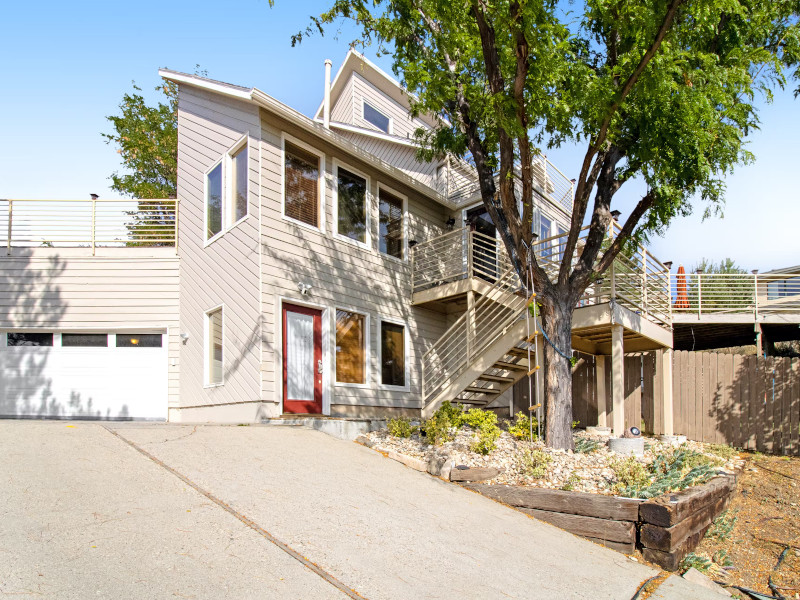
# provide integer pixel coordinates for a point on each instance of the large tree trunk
(557, 324)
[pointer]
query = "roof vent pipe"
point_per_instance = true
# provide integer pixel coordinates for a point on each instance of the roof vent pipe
(326, 107)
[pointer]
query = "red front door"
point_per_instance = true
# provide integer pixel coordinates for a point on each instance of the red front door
(302, 360)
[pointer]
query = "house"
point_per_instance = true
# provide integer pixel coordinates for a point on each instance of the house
(323, 269)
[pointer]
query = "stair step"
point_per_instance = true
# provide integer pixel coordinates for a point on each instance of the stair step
(481, 390)
(520, 352)
(473, 401)
(507, 366)
(496, 378)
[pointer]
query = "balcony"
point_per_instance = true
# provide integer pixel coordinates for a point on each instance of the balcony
(92, 224)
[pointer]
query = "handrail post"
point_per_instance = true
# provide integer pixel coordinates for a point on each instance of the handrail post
(94, 223)
(755, 294)
(175, 204)
(613, 290)
(699, 294)
(10, 215)
(470, 251)
(644, 280)
(413, 270)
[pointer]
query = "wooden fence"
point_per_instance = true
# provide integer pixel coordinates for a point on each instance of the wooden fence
(744, 401)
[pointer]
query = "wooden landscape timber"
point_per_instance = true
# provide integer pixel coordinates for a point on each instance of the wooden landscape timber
(670, 509)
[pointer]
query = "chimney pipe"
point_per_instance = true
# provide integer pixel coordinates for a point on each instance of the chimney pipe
(326, 108)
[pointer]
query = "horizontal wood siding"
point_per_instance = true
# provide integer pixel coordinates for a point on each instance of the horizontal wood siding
(341, 274)
(67, 289)
(342, 110)
(226, 272)
(403, 124)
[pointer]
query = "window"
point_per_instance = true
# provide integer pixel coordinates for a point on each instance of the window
(393, 354)
(351, 207)
(214, 347)
(30, 339)
(375, 117)
(544, 232)
(226, 190)
(139, 340)
(301, 185)
(390, 224)
(84, 340)
(351, 347)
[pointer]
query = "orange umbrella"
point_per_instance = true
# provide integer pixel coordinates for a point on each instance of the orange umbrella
(682, 297)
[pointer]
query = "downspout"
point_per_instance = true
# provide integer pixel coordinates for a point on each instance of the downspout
(326, 108)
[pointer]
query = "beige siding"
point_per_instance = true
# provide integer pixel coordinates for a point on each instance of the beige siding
(342, 275)
(403, 124)
(342, 110)
(224, 272)
(68, 289)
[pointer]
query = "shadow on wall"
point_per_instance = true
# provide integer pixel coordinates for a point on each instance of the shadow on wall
(30, 298)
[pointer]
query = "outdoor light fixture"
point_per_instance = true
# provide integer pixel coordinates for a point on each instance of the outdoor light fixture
(754, 271)
(450, 223)
(184, 336)
(304, 288)
(615, 214)
(412, 243)
(668, 264)
(534, 236)
(699, 271)
(94, 196)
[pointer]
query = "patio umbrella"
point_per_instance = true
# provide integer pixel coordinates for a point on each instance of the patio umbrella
(682, 296)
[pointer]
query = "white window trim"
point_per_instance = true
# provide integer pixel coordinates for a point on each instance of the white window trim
(406, 347)
(364, 101)
(367, 336)
(327, 391)
(367, 243)
(404, 198)
(321, 193)
(228, 206)
(207, 347)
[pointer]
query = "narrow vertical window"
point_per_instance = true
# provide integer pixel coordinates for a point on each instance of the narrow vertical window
(239, 183)
(350, 347)
(301, 185)
(390, 209)
(214, 347)
(352, 206)
(214, 202)
(393, 354)
(544, 233)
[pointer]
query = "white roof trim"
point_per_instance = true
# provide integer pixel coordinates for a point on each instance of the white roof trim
(371, 133)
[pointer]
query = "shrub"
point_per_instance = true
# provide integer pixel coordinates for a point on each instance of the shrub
(722, 527)
(722, 450)
(533, 463)
(573, 480)
(586, 446)
(522, 425)
(631, 474)
(439, 428)
(401, 427)
(668, 472)
(477, 418)
(484, 422)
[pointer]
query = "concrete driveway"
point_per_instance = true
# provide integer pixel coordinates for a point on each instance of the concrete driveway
(166, 511)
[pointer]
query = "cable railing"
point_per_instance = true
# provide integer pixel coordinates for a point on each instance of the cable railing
(90, 223)
(722, 294)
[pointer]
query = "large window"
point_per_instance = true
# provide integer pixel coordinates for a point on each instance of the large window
(226, 190)
(214, 347)
(393, 354)
(351, 208)
(351, 347)
(301, 185)
(29, 339)
(375, 117)
(390, 225)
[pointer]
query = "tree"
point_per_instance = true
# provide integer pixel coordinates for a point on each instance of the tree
(147, 141)
(728, 288)
(660, 90)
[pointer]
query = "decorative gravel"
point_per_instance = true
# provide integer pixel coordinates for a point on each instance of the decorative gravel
(584, 472)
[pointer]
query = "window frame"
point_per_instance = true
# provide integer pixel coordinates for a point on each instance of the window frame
(207, 346)
(404, 198)
(228, 205)
(406, 357)
(367, 243)
(61, 344)
(367, 348)
(322, 178)
(5, 334)
(389, 129)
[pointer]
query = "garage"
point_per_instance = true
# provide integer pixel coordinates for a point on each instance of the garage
(84, 375)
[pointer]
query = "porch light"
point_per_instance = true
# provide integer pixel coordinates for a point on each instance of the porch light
(668, 264)
(184, 336)
(754, 271)
(304, 288)
(534, 236)
(615, 214)
(412, 243)
(450, 223)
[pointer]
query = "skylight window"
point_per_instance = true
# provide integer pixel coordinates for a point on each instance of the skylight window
(375, 117)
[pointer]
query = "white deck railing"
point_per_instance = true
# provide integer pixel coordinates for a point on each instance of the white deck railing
(735, 293)
(88, 223)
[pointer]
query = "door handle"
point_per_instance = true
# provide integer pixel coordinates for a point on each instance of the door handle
(319, 366)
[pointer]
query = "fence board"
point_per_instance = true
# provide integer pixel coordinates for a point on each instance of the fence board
(648, 383)
(794, 408)
(734, 431)
(786, 393)
(711, 397)
(679, 383)
(760, 401)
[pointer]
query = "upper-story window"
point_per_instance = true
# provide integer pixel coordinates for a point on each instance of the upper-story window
(545, 228)
(301, 184)
(390, 223)
(375, 117)
(226, 190)
(351, 206)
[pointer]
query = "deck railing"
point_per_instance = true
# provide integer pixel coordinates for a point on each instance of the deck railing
(636, 279)
(88, 223)
(735, 293)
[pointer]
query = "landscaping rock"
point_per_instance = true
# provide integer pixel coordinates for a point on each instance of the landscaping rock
(627, 446)
(697, 577)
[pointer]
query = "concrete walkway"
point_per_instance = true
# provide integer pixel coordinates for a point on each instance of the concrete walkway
(157, 511)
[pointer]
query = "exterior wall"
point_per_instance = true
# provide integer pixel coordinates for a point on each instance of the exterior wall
(224, 272)
(68, 289)
(341, 275)
(403, 124)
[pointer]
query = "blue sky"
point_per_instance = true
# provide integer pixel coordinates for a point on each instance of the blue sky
(65, 66)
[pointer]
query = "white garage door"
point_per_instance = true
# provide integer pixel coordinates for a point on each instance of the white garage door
(83, 375)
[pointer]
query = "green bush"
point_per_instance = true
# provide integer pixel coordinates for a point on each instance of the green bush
(630, 473)
(533, 463)
(521, 427)
(722, 527)
(722, 450)
(586, 446)
(484, 422)
(573, 480)
(440, 427)
(674, 471)
(401, 427)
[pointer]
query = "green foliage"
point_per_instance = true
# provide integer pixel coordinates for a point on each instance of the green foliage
(521, 427)
(722, 527)
(630, 473)
(697, 561)
(674, 471)
(440, 427)
(484, 422)
(586, 446)
(401, 427)
(533, 463)
(575, 424)
(722, 450)
(573, 480)
(477, 418)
